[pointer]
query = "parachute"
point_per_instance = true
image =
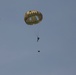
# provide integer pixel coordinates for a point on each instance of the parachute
(33, 17)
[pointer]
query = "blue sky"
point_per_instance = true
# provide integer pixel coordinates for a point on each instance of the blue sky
(57, 31)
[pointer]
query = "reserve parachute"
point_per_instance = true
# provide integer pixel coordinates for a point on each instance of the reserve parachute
(33, 17)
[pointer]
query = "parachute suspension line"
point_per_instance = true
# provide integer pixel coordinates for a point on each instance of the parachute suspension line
(37, 30)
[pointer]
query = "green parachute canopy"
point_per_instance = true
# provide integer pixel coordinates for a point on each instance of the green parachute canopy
(33, 17)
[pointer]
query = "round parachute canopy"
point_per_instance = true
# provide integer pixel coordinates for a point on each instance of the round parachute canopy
(33, 17)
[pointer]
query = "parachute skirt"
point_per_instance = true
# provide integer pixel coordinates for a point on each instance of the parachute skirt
(32, 17)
